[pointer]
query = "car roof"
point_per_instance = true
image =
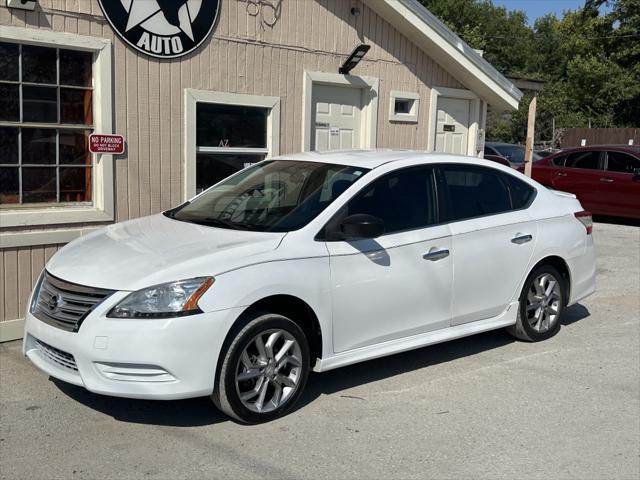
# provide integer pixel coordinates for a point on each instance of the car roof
(619, 147)
(374, 158)
(503, 144)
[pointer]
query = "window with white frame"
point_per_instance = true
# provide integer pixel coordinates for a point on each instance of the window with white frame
(228, 139)
(46, 116)
(404, 106)
(226, 132)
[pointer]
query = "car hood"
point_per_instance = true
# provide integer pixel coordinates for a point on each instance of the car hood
(156, 249)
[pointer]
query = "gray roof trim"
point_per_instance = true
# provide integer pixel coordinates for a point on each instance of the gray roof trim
(454, 40)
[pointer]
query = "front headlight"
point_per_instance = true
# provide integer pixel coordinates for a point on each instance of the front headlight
(174, 299)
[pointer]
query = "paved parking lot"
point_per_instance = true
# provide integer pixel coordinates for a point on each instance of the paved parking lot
(481, 407)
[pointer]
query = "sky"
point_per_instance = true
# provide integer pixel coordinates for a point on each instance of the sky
(538, 8)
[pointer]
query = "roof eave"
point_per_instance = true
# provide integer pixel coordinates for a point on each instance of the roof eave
(450, 51)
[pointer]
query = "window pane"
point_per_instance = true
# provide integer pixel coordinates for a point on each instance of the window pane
(38, 184)
(587, 160)
(621, 162)
(9, 192)
(231, 126)
(521, 192)
(9, 102)
(76, 106)
(38, 64)
(403, 200)
(75, 68)
(475, 191)
(9, 61)
(8, 145)
(74, 147)
(38, 146)
(75, 184)
(559, 162)
(211, 168)
(39, 104)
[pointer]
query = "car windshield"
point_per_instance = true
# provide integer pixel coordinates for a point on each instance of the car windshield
(514, 153)
(271, 196)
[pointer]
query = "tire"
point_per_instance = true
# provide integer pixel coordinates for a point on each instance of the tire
(248, 369)
(534, 303)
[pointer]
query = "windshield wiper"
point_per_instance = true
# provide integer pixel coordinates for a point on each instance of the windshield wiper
(218, 222)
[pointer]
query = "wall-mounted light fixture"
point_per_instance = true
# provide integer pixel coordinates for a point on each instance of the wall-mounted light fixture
(22, 4)
(354, 59)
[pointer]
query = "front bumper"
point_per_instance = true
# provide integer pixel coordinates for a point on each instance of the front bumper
(148, 358)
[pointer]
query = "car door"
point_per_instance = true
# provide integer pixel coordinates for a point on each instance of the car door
(398, 284)
(581, 175)
(493, 238)
(546, 170)
(620, 185)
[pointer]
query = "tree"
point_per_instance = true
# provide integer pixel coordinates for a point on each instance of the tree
(589, 60)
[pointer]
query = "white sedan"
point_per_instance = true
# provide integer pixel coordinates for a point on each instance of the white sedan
(309, 261)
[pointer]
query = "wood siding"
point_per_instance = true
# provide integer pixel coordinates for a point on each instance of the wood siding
(242, 56)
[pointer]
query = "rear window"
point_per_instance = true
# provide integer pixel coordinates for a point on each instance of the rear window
(522, 194)
(475, 191)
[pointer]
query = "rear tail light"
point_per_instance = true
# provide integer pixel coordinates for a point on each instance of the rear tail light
(586, 219)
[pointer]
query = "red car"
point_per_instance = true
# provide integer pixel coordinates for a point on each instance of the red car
(606, 178)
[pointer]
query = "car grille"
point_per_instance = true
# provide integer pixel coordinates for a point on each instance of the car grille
(65, 305)
(56, 356)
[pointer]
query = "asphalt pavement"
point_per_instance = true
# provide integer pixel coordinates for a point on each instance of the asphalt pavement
(481, 407)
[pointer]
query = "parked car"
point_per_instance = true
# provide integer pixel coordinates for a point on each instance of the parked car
(498, 159)
(308, 261)
(605, 178)
(513, 153)
(545, 153)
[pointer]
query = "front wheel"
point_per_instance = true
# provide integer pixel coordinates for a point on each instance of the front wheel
(541, 303)
(264, 370)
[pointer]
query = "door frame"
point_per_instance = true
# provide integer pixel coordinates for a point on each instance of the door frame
(369, 118)
(475, 119)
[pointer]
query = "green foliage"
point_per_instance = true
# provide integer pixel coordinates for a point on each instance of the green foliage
(589, 61)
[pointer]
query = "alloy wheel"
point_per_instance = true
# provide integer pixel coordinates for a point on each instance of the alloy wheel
(543, 303)
(268, 371)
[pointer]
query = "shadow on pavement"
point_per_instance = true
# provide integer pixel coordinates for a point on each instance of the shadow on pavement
(201, 411)
(176, 413)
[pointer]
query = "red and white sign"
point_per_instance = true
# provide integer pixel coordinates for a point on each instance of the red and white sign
(106, 143)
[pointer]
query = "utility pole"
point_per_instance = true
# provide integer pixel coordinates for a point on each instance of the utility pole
(528, 149)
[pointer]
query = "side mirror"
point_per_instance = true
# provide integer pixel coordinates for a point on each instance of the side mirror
(360, 226)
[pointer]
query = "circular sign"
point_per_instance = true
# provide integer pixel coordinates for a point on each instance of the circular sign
(162, 28)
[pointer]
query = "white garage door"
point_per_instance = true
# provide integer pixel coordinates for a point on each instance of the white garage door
(452, 125)
(337, 112)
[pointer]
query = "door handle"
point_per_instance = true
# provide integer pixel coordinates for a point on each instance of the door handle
(561, 174)
(606, 180)
(519, 239)
(435, 254)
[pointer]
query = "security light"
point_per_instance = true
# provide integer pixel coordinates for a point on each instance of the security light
(353, 60)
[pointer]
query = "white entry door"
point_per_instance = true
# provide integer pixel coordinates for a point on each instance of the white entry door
(337, 118)
(452, 125)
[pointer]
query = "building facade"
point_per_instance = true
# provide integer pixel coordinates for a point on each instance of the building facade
(263, 81)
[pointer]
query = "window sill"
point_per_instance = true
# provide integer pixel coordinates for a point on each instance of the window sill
(403, 118)
(27, 217)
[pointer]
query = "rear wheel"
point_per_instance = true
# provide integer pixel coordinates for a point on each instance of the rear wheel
(264, 370)
(542, 301)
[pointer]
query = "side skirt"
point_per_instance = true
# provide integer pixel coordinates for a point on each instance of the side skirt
(505, 319)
